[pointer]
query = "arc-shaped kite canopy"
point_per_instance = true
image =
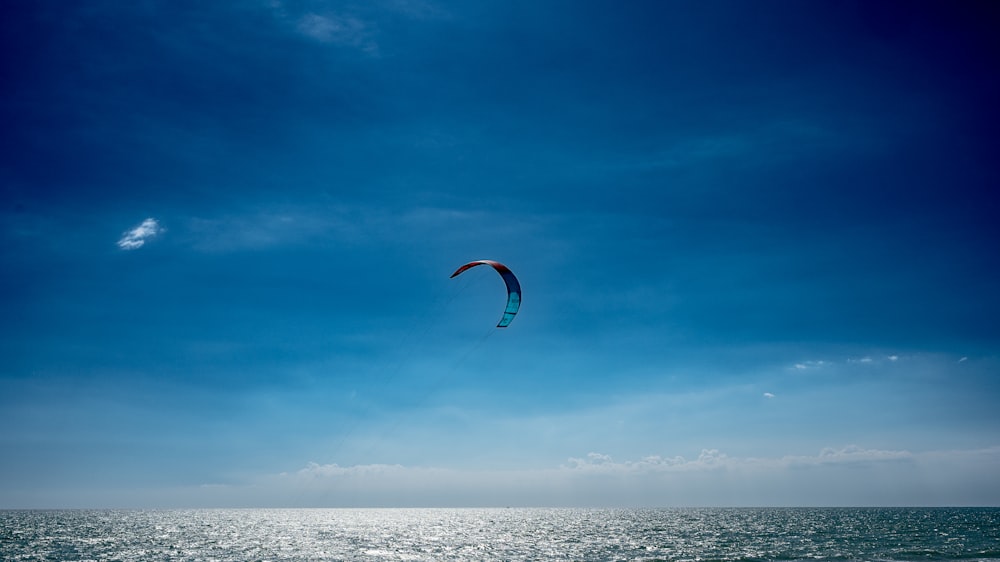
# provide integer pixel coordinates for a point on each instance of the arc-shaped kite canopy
(513, 288)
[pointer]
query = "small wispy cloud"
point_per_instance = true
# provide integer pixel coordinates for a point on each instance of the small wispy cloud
(281, 227)
(332, 29)
(767, 143)
(810, 365)
(136, 238)
(867, 360)
(768, 395)
(710, 459)
(316, 470)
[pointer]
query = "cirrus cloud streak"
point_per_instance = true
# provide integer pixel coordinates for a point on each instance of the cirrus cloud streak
(842, 476)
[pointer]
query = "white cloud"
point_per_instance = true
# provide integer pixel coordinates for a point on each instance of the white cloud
(136, 238)
(768, 395)
(862, 360)
(810, 365)
(832, 477)
(713, 458)
(850, 454)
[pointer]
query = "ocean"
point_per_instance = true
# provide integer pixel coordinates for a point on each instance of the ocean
(744, 534)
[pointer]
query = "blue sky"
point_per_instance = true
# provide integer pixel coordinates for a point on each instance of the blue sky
(757, 243)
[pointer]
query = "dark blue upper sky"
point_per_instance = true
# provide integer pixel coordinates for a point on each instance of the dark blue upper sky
(752, 236)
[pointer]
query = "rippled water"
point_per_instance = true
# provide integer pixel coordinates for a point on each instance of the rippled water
(502, 534)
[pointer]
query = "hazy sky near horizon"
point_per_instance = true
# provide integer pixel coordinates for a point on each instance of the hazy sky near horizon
(757, 243)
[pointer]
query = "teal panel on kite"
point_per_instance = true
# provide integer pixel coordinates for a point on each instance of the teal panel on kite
(513, 288)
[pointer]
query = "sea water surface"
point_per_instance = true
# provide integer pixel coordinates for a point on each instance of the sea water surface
(223, 535)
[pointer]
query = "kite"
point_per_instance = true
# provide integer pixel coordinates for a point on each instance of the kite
(513, 288)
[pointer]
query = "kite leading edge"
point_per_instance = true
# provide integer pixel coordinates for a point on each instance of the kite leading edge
(513, 288)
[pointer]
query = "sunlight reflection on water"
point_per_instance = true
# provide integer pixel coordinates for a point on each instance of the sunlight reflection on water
(502, 534)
